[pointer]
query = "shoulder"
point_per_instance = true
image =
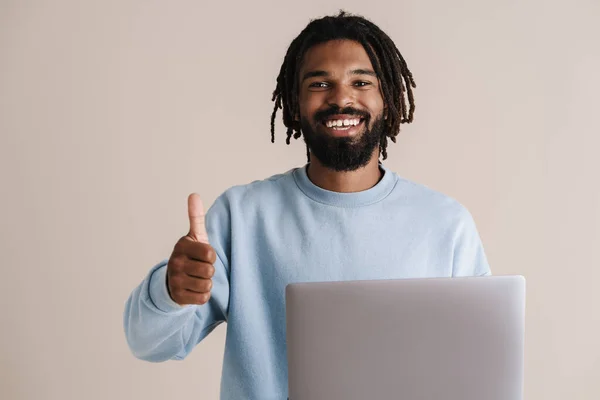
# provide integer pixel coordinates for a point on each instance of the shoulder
(261, 187)
(254, 192)
(432, 204)
(238, 205)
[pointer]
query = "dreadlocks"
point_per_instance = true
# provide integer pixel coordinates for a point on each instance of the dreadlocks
(391, 69)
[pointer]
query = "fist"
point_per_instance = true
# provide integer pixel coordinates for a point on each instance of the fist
(190, 268)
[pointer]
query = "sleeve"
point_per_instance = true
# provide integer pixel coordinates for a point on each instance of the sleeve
(469, 258)
(156, 327)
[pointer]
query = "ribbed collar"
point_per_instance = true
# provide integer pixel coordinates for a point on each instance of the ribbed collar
(358, 199)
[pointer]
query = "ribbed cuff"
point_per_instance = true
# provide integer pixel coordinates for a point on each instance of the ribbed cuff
(159, 294)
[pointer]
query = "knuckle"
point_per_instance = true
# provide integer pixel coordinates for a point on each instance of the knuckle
(210, 271)
(204, 297)
(208, 253)
(202, 272)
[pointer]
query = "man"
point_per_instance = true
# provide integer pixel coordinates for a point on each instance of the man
(345, 88)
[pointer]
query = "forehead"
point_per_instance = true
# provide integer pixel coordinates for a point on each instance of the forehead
(336, 55)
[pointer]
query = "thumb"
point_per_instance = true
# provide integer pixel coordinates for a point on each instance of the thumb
(197, 221)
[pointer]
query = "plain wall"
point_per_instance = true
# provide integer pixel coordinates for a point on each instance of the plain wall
(112, 112)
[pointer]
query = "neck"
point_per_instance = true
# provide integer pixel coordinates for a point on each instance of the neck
(345, 181)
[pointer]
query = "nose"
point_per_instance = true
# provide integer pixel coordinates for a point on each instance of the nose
(341, 96)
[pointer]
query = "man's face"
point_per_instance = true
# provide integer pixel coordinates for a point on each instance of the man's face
(341, 106)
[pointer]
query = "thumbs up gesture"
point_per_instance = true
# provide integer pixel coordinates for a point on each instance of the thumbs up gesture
(190, 268)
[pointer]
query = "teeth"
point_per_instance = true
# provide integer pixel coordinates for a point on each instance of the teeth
(342, 122)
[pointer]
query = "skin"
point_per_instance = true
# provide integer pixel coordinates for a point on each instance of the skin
(190, 268)
(341, 79)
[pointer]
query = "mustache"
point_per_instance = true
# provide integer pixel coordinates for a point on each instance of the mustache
(334, 110)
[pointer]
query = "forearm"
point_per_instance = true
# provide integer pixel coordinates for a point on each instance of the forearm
(158, 329)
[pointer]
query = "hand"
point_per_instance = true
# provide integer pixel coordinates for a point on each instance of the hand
(190, 268)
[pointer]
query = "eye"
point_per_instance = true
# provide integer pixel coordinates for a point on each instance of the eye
(362, 83)
(318, 85)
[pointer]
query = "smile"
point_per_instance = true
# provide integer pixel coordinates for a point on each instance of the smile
(337, 123)
(343, 126)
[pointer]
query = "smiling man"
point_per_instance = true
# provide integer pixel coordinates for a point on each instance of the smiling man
(345, 88)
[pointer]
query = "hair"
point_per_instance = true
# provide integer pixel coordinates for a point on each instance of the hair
(396, 80)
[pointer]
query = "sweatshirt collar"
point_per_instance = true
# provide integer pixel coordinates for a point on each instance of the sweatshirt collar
(357, 199)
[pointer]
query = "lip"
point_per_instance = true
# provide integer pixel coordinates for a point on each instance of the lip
(345, 131)
(342, 116)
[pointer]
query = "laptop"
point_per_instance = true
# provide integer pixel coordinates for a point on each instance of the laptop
(414, 339)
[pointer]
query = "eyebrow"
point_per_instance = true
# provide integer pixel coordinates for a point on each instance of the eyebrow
(317, 73)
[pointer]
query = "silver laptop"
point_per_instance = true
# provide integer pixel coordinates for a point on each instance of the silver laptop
(413, 339)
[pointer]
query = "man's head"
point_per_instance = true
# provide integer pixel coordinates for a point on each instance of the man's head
(343, 70)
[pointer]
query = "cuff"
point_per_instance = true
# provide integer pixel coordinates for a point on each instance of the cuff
(159, 294)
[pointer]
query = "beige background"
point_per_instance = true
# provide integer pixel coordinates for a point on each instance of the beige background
(111, 113)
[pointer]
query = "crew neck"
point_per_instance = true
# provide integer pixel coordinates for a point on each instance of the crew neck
(356, 199)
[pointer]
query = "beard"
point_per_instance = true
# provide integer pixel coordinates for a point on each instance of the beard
(343, 153)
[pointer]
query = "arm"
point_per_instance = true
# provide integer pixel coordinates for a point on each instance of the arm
(156, 327)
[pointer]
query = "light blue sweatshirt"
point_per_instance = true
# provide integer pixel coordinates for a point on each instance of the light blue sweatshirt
(286, 229)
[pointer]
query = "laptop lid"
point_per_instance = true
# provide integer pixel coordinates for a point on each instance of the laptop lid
(415, 339)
